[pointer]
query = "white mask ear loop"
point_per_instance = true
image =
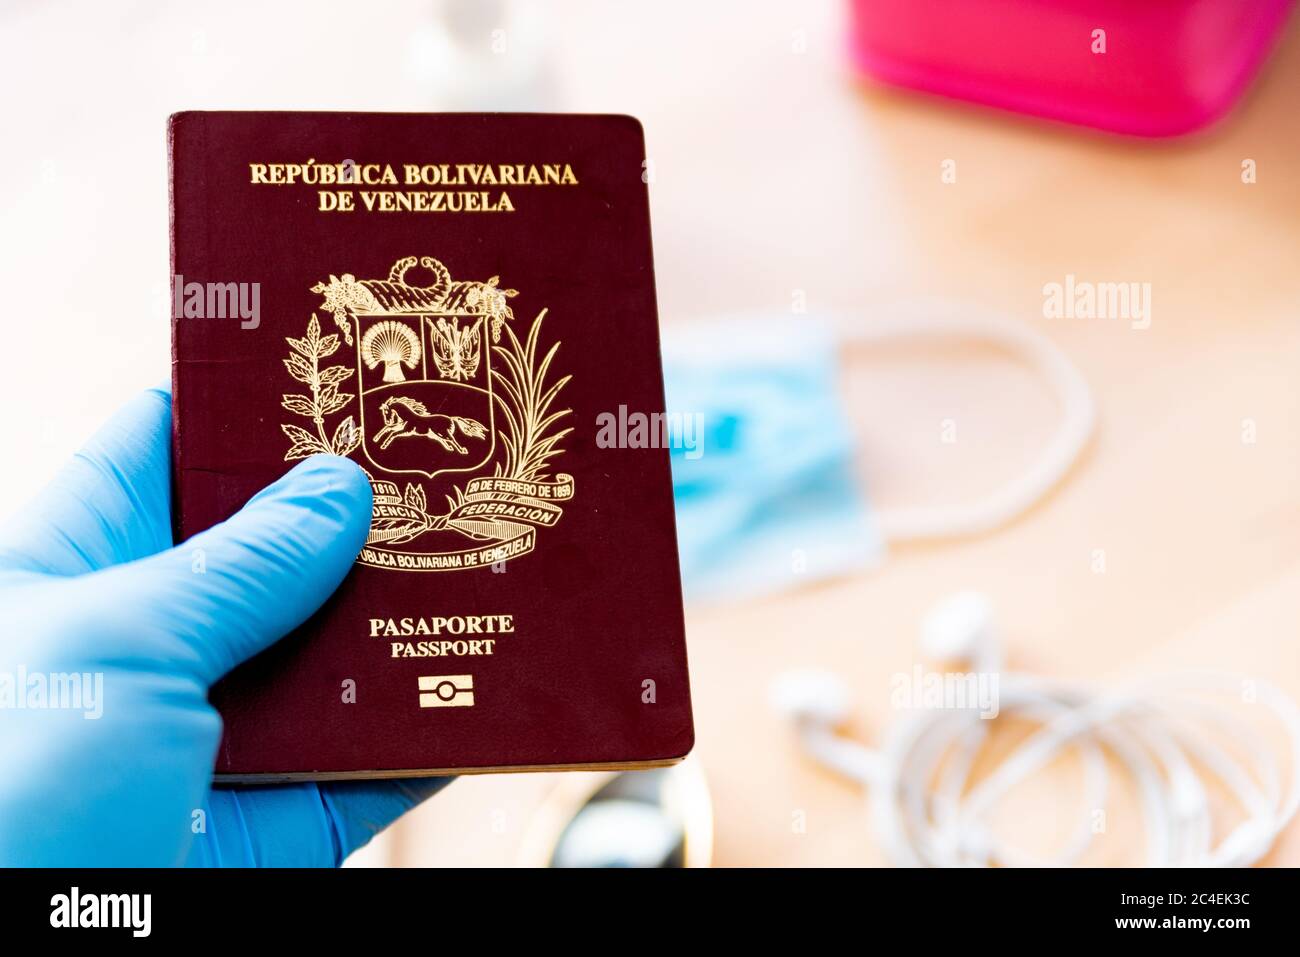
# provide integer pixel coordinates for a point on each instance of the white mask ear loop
(953, 322)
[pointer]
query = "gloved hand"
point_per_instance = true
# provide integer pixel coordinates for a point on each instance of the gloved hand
(90, 585)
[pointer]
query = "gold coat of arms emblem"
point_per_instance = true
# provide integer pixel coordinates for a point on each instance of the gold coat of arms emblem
(453, 414)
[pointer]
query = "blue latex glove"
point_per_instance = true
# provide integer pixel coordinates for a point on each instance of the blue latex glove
(90, 583)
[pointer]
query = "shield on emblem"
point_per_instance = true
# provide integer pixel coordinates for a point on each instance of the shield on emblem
(425, 387)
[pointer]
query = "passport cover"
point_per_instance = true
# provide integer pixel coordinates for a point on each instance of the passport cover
(462, 304)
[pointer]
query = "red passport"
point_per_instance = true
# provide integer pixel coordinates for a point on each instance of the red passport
(457, 302)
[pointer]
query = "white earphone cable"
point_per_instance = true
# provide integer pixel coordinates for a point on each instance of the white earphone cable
(1167, 735)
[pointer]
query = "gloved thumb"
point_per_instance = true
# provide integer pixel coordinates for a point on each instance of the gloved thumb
(229, 592)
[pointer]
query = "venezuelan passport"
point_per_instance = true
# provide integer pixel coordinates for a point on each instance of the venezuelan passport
(464, 305)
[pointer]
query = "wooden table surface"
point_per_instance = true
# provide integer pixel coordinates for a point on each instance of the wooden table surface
(777, 174)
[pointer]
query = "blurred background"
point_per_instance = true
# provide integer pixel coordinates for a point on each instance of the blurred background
(784, 182)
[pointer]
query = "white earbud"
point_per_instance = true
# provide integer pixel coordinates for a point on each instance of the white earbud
(960, 628)
(811, 695)
(818, 702)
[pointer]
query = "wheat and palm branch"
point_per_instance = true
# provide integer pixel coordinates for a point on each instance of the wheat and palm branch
(531, 434)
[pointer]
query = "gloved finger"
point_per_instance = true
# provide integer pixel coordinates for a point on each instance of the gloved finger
(109, 505)
(361, 809)
(301, 825)
(228, 593)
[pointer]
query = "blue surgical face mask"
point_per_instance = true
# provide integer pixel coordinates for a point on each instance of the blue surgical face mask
(766, 493)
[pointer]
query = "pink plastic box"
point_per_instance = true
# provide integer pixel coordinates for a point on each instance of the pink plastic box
(1168, 66)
